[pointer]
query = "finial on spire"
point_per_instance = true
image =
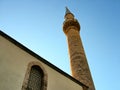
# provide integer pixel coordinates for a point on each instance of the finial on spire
(68, 12)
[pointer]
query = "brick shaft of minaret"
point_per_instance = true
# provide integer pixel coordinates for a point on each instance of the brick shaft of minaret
(79, 66)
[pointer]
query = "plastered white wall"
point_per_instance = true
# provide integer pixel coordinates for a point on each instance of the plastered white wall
(13, 66)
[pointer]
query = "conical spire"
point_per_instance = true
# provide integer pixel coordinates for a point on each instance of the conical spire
(68, 12)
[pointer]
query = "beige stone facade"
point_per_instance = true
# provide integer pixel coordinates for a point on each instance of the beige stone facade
(16, 62)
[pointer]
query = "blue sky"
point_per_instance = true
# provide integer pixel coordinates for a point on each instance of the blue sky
(37, 24)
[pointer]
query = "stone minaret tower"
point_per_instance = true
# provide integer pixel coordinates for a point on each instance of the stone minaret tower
(79, 66)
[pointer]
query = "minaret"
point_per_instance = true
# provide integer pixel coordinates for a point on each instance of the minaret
(79, 66)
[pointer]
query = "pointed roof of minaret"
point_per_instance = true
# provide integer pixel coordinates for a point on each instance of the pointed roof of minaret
(68, 12)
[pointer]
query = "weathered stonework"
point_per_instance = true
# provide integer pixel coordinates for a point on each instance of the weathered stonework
(79, 66)
(44, 79)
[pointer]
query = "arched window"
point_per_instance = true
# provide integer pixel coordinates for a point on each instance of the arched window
(35, 78)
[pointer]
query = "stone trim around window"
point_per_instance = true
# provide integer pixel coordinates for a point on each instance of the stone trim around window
(45, 76)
